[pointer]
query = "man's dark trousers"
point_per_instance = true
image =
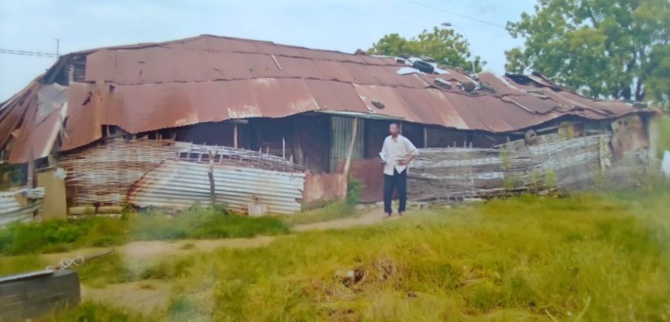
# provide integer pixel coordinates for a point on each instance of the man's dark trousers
(397, 180)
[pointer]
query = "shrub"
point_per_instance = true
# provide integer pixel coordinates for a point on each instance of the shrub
(354, 188)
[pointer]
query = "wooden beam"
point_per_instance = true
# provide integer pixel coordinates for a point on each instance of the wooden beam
(210, 174)
(235, 135)
(354, 132)
(31, 169)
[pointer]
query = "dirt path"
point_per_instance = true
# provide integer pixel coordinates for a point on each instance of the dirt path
(145, 253)
(148, 295)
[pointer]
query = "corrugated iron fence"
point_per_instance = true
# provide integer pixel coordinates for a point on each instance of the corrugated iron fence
(175, 174)
(11, 210)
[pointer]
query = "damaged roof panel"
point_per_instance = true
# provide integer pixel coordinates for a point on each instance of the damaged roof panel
(336, 96)
(41, 122)
(147, 87)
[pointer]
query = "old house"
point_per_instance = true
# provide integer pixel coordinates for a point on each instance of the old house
(258, 123)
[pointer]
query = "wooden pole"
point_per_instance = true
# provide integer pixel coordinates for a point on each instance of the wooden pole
(210, 174)
(31, 169)
(354, 131)
(235, 135)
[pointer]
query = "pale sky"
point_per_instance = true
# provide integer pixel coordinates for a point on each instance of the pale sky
(343, 25)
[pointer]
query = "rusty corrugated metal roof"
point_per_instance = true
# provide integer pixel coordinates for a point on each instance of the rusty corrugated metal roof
(147, 87)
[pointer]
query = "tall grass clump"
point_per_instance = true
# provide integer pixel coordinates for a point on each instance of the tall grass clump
(94, 312)
(527, 258)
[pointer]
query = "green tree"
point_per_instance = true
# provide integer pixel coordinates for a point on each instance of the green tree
(604, 48)
(444, 45)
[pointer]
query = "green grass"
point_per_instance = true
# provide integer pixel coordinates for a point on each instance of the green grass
(97, 312)
(112, 269)
(665, 135)
(196, 223)
(25, 263)
(333, 211)
(534, 259)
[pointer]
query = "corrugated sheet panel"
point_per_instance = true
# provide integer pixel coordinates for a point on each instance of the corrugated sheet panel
(178, 184)
(341, 130)
(12, 211)
(41, 122)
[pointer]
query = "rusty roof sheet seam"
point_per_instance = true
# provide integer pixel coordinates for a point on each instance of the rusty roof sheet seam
(195, 38)
(107, 82)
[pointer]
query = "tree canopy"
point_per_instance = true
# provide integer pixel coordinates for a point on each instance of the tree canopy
(604, 48)
(446, 46)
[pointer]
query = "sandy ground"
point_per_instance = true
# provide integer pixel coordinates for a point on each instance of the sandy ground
(146, 296)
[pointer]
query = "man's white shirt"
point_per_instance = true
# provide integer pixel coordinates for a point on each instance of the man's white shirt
(394, 150)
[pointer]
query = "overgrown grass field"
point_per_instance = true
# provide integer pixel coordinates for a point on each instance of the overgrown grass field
(195, 223)
(584, 258)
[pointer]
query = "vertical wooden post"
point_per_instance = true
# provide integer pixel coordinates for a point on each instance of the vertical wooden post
(210, 174)
(31, 169)
(235, 135)
(354, 131)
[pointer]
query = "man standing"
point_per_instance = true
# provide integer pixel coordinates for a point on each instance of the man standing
(396, 154)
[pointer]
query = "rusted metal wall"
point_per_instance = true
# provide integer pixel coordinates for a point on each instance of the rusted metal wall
(375, 133)
(311, 142)
(442, 138)
(629, 134)
(179, 184)
(219, 133)
(341, 129)
(324, 187)
(369, 171)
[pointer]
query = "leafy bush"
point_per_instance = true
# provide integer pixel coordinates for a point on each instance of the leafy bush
(354, 188)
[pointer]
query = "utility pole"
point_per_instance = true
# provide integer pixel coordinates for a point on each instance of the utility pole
(57, 48)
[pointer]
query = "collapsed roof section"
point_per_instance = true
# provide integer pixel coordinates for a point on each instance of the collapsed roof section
(147, 87)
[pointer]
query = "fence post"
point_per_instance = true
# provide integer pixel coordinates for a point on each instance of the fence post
(210, 173)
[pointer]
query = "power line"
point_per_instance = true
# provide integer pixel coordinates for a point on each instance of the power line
(457, 14)
(366, 13)
(27, 53)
